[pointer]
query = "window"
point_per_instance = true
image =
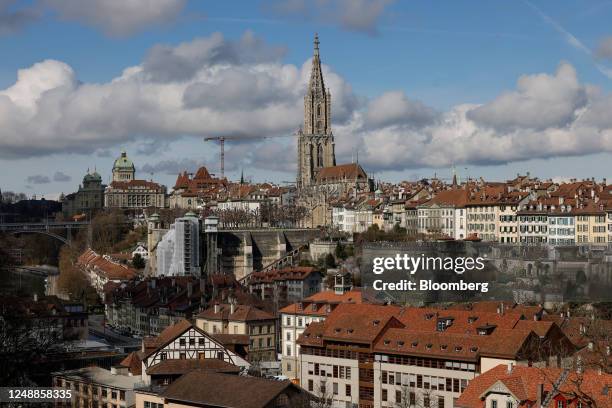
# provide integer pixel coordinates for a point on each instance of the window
(182, 356)
(335, 388)
(181, 342)
(398, 396)
(560, 404)
(114, 395)
(122, 395)
(288, 350)
(384, 394)
(348, 390)
(310, 386)
(288, 336)
(192, 342)
(509, 404)
(494, 404)
(440, 402)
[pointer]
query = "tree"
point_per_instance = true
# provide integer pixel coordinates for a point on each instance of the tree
(340, 251)
(138, 262)
(330, 261)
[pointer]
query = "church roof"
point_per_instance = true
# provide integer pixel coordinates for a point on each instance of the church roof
(351, 171)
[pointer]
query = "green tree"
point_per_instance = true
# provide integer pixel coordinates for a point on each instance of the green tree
(340, 251)
(138, 262)
(330, 261)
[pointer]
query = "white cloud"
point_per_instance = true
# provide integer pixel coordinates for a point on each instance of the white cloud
(540, 101)
(118, 17)
(395, 107)
(48, 111)
(223, 90)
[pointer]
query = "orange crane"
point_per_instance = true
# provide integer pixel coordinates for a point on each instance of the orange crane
(222, 140)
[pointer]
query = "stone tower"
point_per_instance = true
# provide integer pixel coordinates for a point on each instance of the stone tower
(315, 140)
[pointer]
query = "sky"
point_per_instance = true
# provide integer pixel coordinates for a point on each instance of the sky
(491, 88)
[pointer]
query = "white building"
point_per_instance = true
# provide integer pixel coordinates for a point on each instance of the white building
(178, 253)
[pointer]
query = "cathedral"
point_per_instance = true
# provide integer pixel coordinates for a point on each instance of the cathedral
(318, 176)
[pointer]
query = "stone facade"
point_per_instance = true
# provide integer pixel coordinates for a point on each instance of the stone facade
(88, 199)
(315, 140)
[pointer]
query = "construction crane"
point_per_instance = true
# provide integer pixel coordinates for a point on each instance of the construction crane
(222, 140)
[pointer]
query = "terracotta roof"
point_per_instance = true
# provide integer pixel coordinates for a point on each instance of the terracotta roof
(317, 303)
(90, 260)
(349, 171)
(238, 391)
(133, 363)
(241, 313)
(523, 383)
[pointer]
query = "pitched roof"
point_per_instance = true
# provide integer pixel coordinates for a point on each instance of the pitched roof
(243, 313)
(523, 383)
(238, 391)
(351, 171)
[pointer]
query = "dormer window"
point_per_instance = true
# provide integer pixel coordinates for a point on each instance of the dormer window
(473, 349)
(337, 330)
(429, 346)
(350, 330)
(443, 347)
(376, 322)
(400, 343)
(387, 342)
(458, 348)
(415, 343)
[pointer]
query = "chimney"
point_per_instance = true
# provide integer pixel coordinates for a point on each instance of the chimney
(540, 395)
(216, 308)
(510, 367)
(591, 346)
(232, 308)
(36, 297)
(189, 289)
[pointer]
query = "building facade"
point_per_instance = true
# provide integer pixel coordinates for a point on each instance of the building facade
(88, 199)
(125, 191)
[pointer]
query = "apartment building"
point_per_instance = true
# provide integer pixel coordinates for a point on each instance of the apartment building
(295, 318)
(97, 387)
(591, 224)
(533, 226)
(286, 285)
(379, 356)
(258, 325)
(176, 343)
(561, 228)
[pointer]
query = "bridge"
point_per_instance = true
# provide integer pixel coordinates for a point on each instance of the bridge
(44, 228)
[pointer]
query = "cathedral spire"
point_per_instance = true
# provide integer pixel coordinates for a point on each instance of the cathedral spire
(316, 85)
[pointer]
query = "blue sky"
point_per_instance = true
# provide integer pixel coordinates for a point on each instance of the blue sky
(439, 56)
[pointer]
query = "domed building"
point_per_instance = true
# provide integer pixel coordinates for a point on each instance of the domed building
(88, 199)
(123, 168)
(125, 191)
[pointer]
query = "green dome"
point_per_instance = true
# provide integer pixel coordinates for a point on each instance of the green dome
(123, 163)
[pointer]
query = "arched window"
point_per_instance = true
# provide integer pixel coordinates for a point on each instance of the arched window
(319, 125)
(319, 110)
(319, 156)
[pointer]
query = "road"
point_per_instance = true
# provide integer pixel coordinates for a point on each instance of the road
(97, 329)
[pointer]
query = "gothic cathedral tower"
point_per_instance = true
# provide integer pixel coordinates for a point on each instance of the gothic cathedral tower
(315, 140)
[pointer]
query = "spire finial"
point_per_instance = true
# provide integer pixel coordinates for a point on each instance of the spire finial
(316, 44)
